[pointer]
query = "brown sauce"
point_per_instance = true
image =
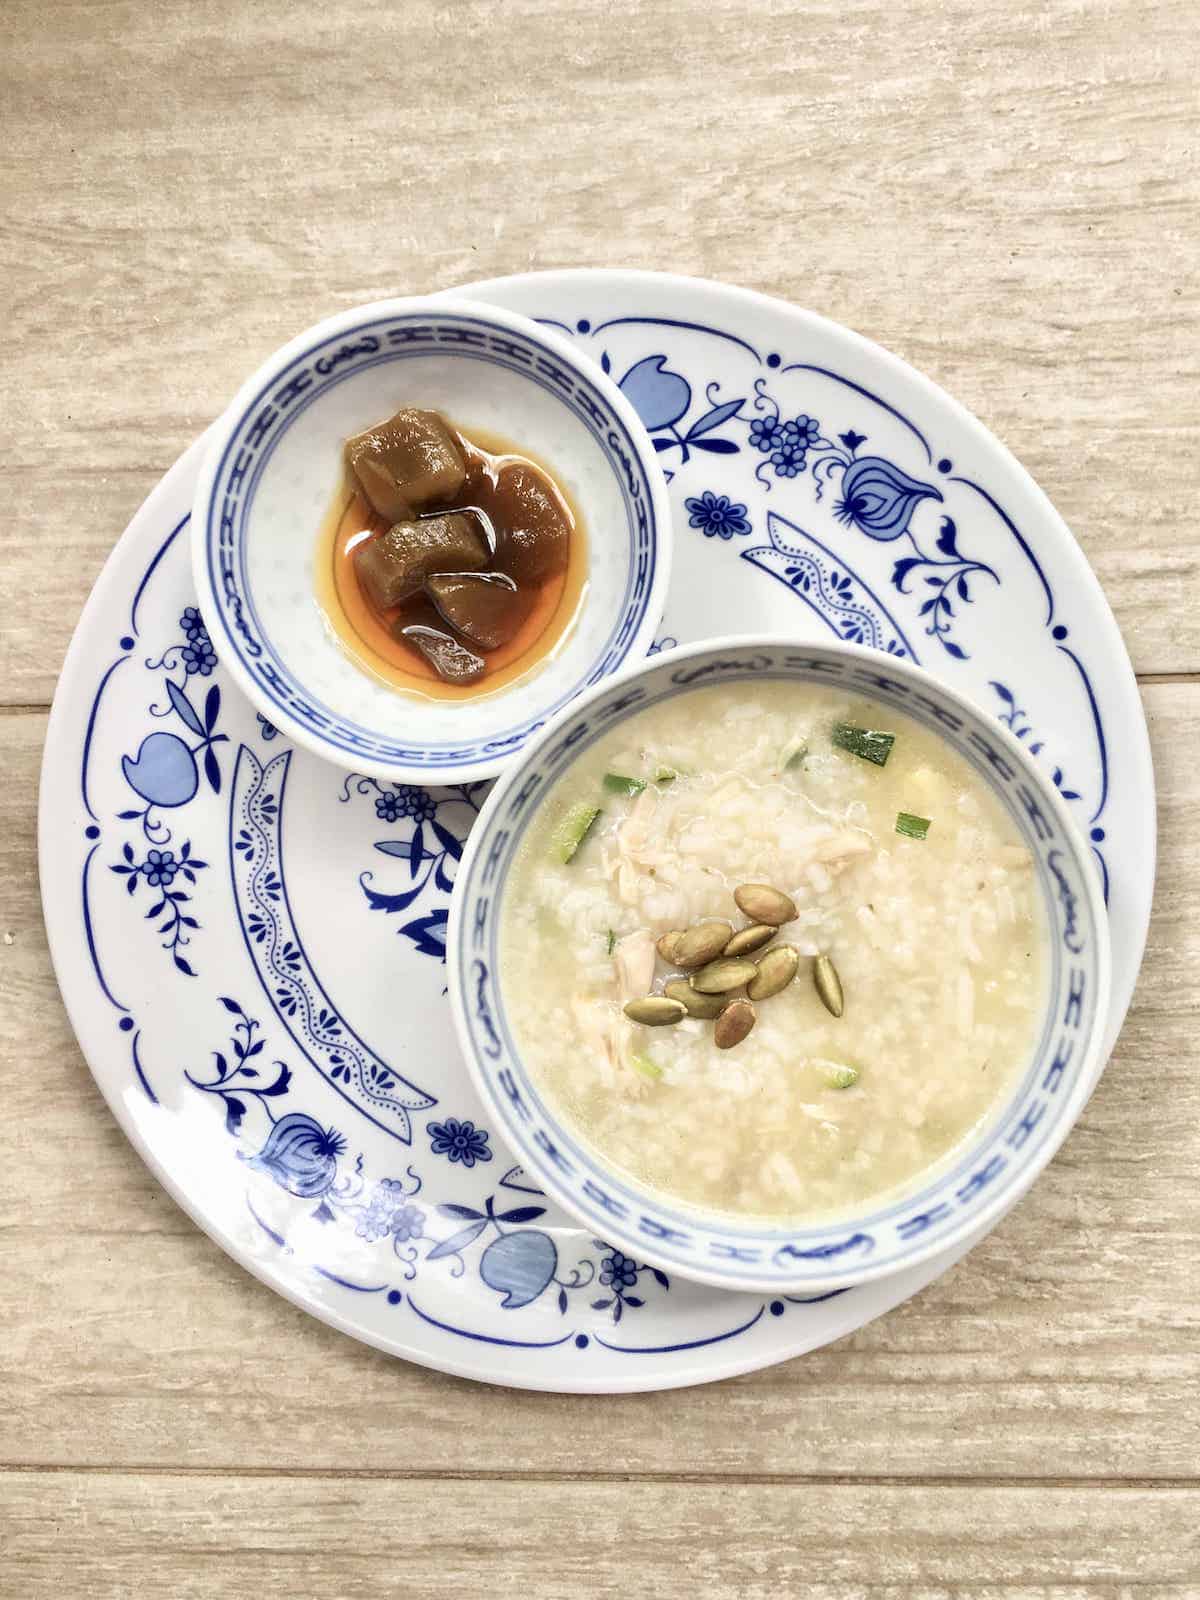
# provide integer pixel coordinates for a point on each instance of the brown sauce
(368, 635)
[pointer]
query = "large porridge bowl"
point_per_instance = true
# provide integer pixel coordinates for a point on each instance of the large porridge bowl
(975, 1033)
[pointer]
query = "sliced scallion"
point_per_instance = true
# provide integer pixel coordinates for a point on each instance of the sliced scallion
(870, 744)
(911, 827)
(836, 1074)
(794, 754)
(611, 942)
(618, 783)
(645, 1068)
(573, 830)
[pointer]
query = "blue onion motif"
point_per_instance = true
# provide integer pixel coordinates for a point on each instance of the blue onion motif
(520, 1266)
(716, 515)
(408, 1223)
(159, 868)
(300, 1155)
(879, 499)
(788, 457)
(199, 656)
(164, 771)
(659, 397)
(618, 1271)
(389, 1212)
(460, 1141)
(192, 624)
(766, 434)
(405, 800)
(802, 430)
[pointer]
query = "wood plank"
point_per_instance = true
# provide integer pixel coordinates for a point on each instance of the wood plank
(1065, 1345)
(203, 1536)
(998, 193)
(1004, 194)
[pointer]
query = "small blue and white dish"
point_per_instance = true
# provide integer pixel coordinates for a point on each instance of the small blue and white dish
(950, 1202)
(274, 465)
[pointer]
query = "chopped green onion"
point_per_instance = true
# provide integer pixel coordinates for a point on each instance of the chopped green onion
(611, 943)
(867, 743)
(911, 827)
(617, 783)
(837, 1075)
(794, 754)
(645, 1068)
(573, 830)
(666, 774)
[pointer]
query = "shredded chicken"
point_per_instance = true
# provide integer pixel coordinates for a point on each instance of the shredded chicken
(633, 836)
(843, 847)
(635, 957)
(595, 1033)
(634, 852)
(628, 879)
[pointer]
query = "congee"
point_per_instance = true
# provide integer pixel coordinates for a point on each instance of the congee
(771, 950)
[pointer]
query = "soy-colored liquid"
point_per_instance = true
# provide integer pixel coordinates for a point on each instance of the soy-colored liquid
(366, 634)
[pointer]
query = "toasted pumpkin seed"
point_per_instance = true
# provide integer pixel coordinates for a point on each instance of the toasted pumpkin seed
(704, 1006)
(702, 944)
(828, 985)
(750, 939)
(667, 945)
(719, 977)
(734, 1023)
(774, 972)
(656, 1011)
(761, 903)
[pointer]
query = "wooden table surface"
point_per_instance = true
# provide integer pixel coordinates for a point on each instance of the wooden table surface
(1006, 195)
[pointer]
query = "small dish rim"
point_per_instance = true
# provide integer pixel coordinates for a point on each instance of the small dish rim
(345, 323)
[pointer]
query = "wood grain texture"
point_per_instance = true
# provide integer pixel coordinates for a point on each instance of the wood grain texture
(195, 1536)
(1003, 193)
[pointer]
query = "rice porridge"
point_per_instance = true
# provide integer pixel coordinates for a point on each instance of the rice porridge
(772, 950)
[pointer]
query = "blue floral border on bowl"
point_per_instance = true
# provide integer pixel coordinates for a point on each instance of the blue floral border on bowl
(276, 407)
(745, 1253)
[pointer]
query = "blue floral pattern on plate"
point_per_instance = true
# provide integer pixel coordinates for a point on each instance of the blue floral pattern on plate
(277, 1146)
(877, 497)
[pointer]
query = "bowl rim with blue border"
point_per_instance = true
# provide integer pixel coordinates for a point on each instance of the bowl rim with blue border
(282, 387)
(984, 1175)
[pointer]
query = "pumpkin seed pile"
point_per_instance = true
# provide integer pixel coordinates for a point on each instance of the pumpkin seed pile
(720, 982)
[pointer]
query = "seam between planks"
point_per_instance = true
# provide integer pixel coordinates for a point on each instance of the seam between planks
(1145, 680)
(765, 1480)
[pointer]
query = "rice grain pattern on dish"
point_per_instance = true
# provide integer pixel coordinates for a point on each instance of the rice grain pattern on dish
(910, 903)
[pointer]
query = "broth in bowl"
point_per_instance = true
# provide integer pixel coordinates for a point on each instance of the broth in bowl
(773, 951)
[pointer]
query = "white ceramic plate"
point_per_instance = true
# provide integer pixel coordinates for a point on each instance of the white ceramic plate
(249, 943)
